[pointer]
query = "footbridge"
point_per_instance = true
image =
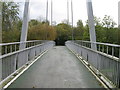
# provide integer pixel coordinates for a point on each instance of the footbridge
(43, 65)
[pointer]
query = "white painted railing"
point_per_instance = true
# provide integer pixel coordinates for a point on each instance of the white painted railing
(103, 59)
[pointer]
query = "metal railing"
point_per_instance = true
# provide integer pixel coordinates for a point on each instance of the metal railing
(13, 58)
(12, 47)
(110, 49)
(104, 59)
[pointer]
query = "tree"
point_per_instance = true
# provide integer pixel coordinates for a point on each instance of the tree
(118, 35)
(39, 32)
(19, 25)
(100, 32)
(97, 21)
(86, 35)
(11, 36)
(10, 15)
(80, 23)
(33, 22)
(63, 33)
(79, 30)
(108, 22)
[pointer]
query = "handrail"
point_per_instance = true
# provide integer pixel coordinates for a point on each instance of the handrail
(14, 46)
(12, 61)
(110, 49)
(2, 44)
(115, 45)
(106, 64)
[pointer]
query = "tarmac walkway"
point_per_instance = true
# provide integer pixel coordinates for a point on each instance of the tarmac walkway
(58, 68)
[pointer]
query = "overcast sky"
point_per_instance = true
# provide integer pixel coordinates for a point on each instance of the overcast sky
(100, 8)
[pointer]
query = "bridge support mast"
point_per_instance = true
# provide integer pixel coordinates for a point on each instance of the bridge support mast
(0, 40)
(67, 12)
(119, 14)
(91, 24)
(119, 41)
(51, 12)
(25, 25)
(72, 19)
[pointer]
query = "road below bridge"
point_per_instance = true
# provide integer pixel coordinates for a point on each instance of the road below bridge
(58, 68)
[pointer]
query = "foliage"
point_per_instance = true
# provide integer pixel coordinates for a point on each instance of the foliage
(63, 33)
(105, 30)
(10, 15)
(41, 32)
(108, 22)
(10, 36)
(79, 30)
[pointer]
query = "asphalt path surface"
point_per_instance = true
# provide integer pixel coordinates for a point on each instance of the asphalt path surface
(58, 68)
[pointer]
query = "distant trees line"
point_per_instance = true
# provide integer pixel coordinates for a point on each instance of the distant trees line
(41, 30)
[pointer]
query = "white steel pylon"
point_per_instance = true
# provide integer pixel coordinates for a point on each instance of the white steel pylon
(25, 25)
(91, 24)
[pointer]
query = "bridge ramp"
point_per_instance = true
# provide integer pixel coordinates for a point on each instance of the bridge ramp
(58, 68)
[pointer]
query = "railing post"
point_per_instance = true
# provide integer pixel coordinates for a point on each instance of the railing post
(107, 49)
(112, 51)
(25, 25)
(91, 24)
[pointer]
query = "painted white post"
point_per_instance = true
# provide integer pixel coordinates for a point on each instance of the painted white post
(45, 38)
(72, 19)
(91, 24)
(68, 11)
(0, 40)
(47, 11)
(51, 12)
(119, 21)
(119, 14)
(25, 25)
(118, 40)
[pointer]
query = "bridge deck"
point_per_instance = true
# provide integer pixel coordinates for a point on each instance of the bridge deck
(58, 68)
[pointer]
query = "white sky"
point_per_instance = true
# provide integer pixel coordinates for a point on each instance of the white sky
(100, 8)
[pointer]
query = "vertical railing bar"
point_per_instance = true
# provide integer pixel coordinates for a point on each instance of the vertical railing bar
(107, 49)
(118, 76)
(119, 70)
(15, 47)
(10, 48)
(112, 51)
(5, 49)
(103, 48)
(32, 43)
(119, 53)
(99, 47)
